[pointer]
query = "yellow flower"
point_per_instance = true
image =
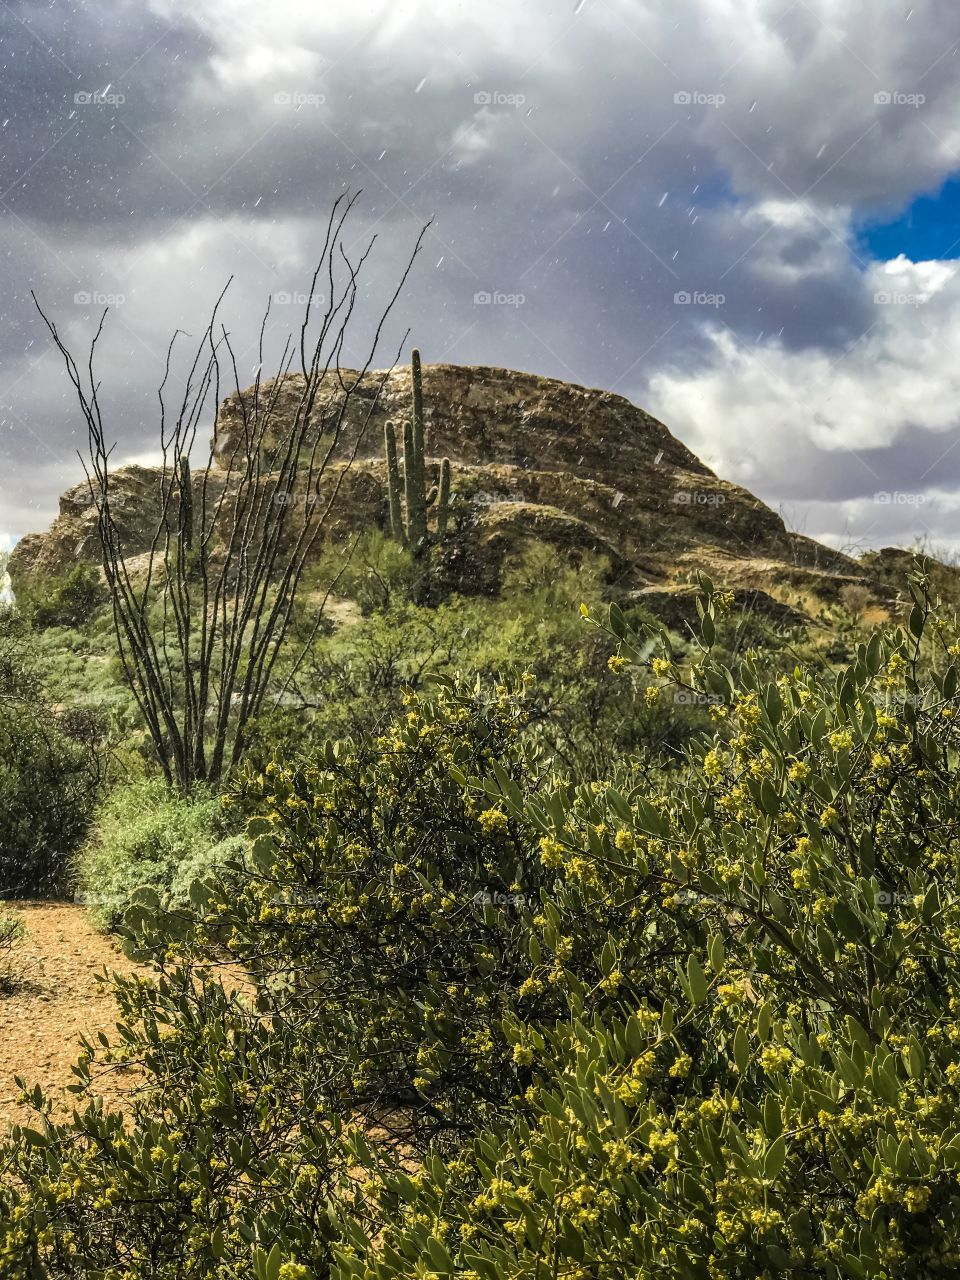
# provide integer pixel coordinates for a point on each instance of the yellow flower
(493, 820)
(713, 763)
(616, 663)
(551, 852)
(775, 1058)
(294, 1271)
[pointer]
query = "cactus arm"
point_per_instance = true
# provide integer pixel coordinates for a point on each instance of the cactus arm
(393, 485)
(443, 499)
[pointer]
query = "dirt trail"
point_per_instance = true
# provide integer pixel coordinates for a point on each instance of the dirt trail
(58, 1000)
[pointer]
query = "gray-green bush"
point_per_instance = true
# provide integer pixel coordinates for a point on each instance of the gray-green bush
(148, 834)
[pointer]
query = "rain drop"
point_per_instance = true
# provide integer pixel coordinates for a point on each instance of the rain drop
(663, 200)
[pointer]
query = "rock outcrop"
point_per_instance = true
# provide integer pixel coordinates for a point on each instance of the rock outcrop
(535, 459)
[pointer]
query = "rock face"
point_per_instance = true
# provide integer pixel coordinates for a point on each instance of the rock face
(534, 459)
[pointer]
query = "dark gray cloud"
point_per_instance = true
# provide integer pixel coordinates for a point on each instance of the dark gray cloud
(595, 168)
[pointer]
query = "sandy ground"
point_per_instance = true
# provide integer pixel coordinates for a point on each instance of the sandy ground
(58, 999)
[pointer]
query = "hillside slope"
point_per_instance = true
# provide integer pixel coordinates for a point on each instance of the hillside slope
(534, 459)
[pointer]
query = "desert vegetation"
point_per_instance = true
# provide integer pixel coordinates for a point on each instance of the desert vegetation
(514, 934)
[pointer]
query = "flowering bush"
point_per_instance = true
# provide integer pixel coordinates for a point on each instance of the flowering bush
(483, 1021)
(788, 1101)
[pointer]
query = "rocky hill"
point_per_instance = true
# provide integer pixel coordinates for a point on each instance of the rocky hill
(534, 459)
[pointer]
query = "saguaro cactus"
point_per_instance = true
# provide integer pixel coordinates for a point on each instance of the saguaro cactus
(397, 526)
(408, 516)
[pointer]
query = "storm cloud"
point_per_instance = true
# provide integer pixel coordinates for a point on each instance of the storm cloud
(659, 198)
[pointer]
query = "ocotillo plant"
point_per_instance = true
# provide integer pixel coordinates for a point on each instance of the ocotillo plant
(408, 516)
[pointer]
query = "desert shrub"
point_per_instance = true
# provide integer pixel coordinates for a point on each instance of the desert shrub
(702, 1024)
(222, 1164)
(147, 833)
(788, 1103)
(65, 600)
(374, 571)
(49, 782)
(46, 797)
(385, 900)
(355, 677)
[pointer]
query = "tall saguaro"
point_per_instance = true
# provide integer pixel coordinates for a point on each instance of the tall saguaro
(408, 517)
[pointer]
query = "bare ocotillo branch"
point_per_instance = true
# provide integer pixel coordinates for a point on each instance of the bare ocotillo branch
(200, 626)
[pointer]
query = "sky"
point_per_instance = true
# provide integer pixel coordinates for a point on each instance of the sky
(742, 216)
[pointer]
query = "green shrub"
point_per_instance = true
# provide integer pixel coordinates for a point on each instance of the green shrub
(355, 676)
(787, 1103)
(67, 600)
(49, 775)
(147, 834)
(692, 1024)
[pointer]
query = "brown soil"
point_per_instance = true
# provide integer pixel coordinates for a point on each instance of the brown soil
(56, 1000)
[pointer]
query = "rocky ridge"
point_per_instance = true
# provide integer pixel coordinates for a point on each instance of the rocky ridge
(534, 459)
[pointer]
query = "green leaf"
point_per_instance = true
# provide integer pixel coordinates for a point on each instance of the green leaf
(773, 1161)
(930, 906)
(772, 1119)
(697, 980)
(764, 1020)
(263, 853)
